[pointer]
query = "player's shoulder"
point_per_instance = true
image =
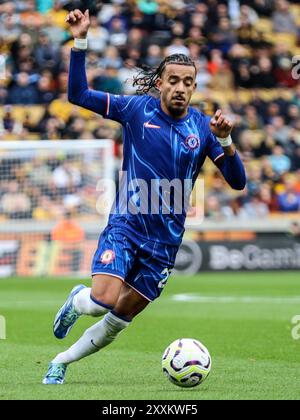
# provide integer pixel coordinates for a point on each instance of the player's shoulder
(148, 100)
(199, 115)
(202, 120)
(144, 103)
(126, 105)
(140, 102)
(136, 98)
(124, 98)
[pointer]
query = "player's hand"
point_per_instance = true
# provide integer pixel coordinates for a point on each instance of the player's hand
(220, 126)
(79, 23)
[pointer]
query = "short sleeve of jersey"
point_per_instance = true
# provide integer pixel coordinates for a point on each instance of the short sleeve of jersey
(213, 148)
(121, 108)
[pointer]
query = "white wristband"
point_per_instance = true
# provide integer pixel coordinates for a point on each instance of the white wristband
(226, 142)
(81, 43)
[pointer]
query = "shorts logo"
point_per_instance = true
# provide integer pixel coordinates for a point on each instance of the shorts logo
(192, 142)
(107, 257)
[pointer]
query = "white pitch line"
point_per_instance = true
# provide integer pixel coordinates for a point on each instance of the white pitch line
(193, 297)
(29, 304)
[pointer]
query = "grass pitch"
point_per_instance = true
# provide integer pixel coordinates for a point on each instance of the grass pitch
(244, 319)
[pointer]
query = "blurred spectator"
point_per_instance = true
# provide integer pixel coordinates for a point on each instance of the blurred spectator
(289, 201)
(282, 59)
(109, 81)
(68, 230)
(177, 47)
(111, 58)
(149, 7)
(126, 76)
(255, 208)
(204, 77)
(44, 6)
(254, 179)
(283, 20)
(23, 92)
(65, 176)
(15, 204)
(30, 18)
(281, 131)
(280, 163)
(247, 33)
(262, 72)
(296, 97)
(117, 32)
(296, 159)
(53, 129)
(75, 128)
(251, 119)
(97, 36)
(46, 209)
(295, 230)
(9, 122)
(46, 55)
(154, 56)
(45, 92)
(224, 36)
(217, 190)
(57, 15)
(9, 29)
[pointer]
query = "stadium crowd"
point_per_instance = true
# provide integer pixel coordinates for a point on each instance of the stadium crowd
(244, 53)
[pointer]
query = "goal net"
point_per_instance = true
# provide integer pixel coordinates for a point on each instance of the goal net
(54, 201)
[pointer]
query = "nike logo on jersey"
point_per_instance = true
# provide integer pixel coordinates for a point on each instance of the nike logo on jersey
(148, 125)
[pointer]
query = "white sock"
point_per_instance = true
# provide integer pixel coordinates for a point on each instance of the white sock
(95, 338)
(84, 304)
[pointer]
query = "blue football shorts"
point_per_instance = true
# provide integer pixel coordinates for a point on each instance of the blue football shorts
(144, 265)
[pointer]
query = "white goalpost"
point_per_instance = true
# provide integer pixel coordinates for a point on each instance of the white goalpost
(54, 202)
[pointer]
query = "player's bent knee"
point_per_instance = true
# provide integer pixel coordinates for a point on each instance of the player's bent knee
(103, 302)
(106, 290)
(129, 313)
(104, 299)
(130, 303)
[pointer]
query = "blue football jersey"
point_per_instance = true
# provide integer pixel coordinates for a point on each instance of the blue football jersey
(157, 147)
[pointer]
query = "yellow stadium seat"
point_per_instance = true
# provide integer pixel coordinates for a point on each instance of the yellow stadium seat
(61, 109)
(264, 25)
(268, 95)
(10, 137)
(285, 216)
(290, 40)
(257, 137)
(296, 50)
(33, 136)
(19, 113)
(223, 97)
(85, 113)
(35, 113)
(244, 95)
(92, 125)
(295, 10)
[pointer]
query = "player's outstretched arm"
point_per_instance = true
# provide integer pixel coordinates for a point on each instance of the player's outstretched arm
(78, 91)
(233, 171)
(230, 165)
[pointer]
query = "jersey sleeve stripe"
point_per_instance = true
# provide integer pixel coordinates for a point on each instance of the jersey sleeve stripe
(108, 104)
(218, 157)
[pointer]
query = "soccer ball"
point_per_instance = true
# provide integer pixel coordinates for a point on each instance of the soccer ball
(186, 362)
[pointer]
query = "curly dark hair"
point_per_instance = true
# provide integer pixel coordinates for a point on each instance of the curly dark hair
(147, 77)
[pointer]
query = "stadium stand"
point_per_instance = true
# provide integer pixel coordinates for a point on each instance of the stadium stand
(243, 50)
